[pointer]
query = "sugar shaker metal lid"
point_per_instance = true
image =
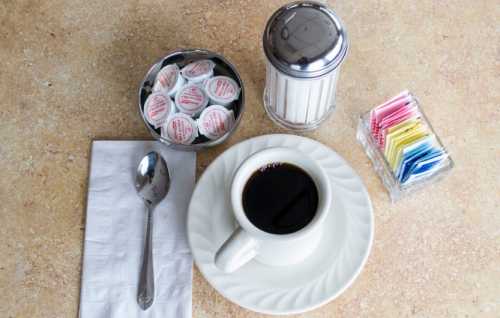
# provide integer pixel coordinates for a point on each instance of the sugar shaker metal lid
(305, 39)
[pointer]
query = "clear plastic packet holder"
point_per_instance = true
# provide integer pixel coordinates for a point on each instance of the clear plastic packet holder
(396, 189)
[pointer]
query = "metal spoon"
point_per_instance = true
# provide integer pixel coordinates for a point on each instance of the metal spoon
(152, 183)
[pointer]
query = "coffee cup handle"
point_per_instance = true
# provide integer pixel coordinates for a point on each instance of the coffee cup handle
(236, 251)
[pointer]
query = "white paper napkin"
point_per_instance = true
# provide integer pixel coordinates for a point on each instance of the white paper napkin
(115, 231)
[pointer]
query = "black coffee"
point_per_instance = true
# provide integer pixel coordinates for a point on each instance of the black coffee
(280, 198)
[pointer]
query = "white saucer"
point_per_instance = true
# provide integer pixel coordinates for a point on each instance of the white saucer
(333, 266)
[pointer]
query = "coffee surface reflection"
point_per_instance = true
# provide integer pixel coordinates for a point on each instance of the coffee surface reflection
(280, 198)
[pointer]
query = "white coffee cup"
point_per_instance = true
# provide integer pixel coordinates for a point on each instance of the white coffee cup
(248, 242)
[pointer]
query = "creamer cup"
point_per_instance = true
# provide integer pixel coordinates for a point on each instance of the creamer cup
(191, 99)
(180, 129)
(198, 71)
(169, 80)
(157, 108)
(215, 121)
(222, 90)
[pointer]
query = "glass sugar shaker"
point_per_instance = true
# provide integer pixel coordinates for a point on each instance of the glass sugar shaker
(305, 43)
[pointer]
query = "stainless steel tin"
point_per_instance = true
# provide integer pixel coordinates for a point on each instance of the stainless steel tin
(183, 57)
(305, 39)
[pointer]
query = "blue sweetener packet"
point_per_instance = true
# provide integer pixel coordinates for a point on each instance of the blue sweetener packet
(424, 165)
(409, 162)
(412, 151)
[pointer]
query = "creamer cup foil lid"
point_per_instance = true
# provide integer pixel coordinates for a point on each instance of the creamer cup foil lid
(198, 71)
(157, 108)
(180, 129)
(222, 90)
(215, 121)
(191, 99)
(168, 80)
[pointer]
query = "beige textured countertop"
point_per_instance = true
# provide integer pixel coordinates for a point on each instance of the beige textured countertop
(69, 72)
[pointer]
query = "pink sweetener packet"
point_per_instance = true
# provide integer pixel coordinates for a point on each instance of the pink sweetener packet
(386, 107)
(405, 112)
(381, 113)
(372, 113)
(384, 133)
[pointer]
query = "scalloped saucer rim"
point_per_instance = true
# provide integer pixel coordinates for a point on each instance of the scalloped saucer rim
(304, 289)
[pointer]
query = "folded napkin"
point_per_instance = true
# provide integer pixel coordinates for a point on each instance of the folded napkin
(115, 232)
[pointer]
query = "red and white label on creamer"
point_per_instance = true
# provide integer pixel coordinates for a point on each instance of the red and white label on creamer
(166, 78)
(191, 99)
(223, 87)
(198, 69)
(215, 121)
(157, 108)
(180, 129)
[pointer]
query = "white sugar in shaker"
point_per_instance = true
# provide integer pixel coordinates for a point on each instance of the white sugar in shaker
(305, 43)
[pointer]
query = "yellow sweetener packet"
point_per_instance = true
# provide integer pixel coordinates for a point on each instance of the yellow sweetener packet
(413, 133)
(397, 130)
(400, 147)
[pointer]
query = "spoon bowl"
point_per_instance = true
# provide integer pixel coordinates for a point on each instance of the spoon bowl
(152, 180)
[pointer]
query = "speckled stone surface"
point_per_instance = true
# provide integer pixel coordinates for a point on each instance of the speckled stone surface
(69, 72)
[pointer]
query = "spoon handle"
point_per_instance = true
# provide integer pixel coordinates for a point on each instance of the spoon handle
(146, 289)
